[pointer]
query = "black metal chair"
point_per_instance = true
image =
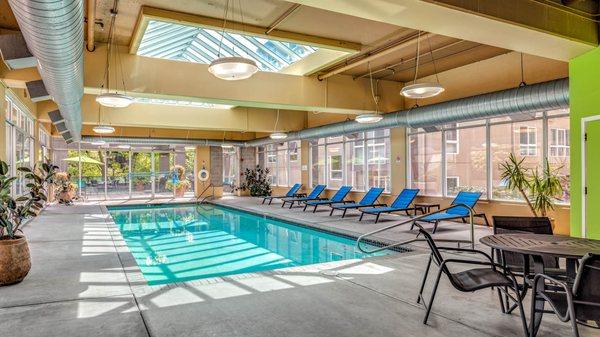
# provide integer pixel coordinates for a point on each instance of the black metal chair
(469, 280)
(577, 304)
(516, 262)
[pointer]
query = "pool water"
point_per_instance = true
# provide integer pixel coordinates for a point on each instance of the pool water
(178, 243)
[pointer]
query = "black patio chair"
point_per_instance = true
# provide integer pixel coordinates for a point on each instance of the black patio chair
(469, 280)
(577, 304)
(516, 262)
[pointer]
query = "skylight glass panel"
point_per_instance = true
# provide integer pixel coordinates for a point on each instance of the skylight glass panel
(201, 45)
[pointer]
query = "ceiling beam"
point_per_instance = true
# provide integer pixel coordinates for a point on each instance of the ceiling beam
(151, 13)
(525, 26)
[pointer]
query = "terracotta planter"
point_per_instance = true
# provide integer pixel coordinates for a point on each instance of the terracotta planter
(15, 261)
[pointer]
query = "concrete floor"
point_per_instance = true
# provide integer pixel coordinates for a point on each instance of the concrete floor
(84, 282)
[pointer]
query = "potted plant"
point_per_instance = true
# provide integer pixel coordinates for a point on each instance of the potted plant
(540, 190)
(15, 261)
(65, 189)
(255, 181)
(140, 183)
(179, 183)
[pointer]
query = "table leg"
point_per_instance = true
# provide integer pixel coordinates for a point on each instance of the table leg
(571, 269)
(536, 318)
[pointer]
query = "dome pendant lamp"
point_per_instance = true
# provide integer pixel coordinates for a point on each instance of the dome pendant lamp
(422, 90)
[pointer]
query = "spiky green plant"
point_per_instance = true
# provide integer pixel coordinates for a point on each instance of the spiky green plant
(539, 190)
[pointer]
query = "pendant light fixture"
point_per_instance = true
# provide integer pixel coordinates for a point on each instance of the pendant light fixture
(422, 90)
(102, 128)
(232, 68)
(370, 118)
(225, 146)
(113, 99)
(277, 135)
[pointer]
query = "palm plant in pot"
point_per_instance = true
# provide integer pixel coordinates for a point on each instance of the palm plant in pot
(15, 261)
(539, 190)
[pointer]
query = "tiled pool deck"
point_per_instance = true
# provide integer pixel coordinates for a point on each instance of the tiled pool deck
(84, 282)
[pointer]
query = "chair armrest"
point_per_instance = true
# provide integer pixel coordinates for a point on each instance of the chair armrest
(553, 281)
(466, 250)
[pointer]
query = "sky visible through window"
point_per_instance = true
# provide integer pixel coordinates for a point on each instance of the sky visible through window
(201, 45)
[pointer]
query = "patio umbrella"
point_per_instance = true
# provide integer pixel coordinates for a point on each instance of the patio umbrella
(84, 160)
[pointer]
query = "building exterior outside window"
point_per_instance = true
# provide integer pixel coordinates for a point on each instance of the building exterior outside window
(474, 151)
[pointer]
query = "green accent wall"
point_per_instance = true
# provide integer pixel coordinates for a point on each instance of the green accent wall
(584, 96)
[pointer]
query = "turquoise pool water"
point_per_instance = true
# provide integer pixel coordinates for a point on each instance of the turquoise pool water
(178, 243)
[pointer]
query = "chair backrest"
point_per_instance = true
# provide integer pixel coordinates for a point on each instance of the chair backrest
(293, 190)
(341, 194)
(437, 257)
(466, 198)
(405, 198)
(371, 196)
(317, 191)
(587, 289)
(522, 224)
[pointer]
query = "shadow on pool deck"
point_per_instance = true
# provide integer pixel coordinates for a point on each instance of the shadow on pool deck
(85, 282)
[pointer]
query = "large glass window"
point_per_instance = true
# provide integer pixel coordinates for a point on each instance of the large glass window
(283, 162)
(426, 162)
(19, 140)
(474, 152)
(361, 160)
(466, 168)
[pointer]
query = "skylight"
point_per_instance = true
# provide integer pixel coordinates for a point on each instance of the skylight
(159, 101)
(172, 41)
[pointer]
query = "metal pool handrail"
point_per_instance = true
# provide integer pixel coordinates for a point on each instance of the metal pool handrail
(472, 241)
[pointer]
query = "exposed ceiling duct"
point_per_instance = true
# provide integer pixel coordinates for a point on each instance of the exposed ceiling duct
(53, 31)
(528, 99)
(550, 95)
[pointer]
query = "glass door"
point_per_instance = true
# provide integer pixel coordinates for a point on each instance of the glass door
(117, 175)
(163, 165)
(141, 175)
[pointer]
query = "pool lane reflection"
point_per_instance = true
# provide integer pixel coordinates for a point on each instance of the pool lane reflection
(187, 242)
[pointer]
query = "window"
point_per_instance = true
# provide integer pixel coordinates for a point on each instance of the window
(527, 139)
(452, 183)
(475, 151)
(283, 162)
(19, 140)
(468, 160)
(452, 141)
(361, 160)
(426, 162)
(559, 142)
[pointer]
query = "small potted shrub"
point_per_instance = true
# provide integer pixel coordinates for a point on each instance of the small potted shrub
(179, 183)
(255, 181)
(140, 183)
(15, 261)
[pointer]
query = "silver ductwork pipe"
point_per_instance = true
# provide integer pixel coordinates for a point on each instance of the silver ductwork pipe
(161, 141)
(521, 100)
(53, 31)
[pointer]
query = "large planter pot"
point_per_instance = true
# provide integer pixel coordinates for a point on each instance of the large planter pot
(15, 261)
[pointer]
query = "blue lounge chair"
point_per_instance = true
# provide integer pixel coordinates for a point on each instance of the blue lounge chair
(402, 203)
(337, 198)
(314, 195)
(292, 192)
(367, 201)
(463, 198)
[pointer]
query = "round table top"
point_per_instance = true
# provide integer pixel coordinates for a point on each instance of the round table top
(541, 244)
